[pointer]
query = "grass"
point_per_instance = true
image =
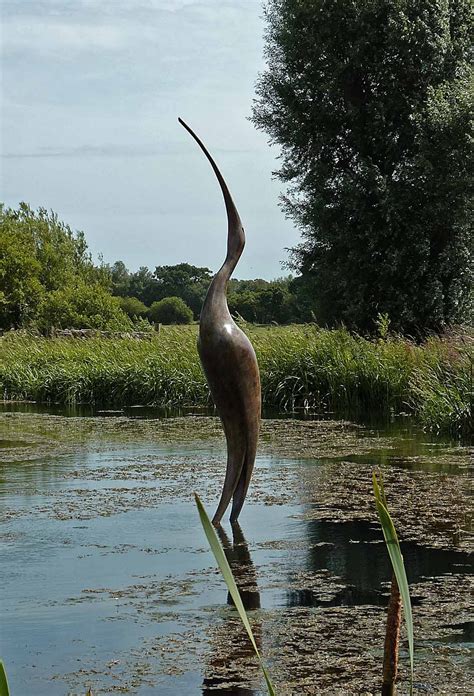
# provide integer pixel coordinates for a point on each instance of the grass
(302, 366)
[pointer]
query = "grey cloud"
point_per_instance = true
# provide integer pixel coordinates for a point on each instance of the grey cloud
(113, 150)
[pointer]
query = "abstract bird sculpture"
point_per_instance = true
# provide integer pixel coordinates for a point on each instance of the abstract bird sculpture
(230, 365)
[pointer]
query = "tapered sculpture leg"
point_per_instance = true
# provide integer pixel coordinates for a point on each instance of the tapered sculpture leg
(241, 489)
(236, 451)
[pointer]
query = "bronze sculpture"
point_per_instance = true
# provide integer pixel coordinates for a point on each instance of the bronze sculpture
(230, 365)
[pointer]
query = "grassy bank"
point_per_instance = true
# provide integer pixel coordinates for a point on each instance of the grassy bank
(301, 366)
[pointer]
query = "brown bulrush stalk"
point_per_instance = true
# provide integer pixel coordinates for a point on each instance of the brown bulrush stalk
(392, 640)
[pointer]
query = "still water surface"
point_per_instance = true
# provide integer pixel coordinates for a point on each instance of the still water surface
(107, 581)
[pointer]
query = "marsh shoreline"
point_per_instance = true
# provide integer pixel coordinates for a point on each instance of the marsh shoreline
(303, 369)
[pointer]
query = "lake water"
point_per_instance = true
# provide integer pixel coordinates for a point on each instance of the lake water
(108, 583)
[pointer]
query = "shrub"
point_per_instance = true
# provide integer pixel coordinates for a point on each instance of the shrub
(170, 310)
(82, 306)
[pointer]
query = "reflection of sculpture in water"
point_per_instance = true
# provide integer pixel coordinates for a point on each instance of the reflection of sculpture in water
(240, 561)
(230, 366)
(232, 661)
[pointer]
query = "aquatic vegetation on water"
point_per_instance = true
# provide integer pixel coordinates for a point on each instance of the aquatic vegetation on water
(399, 587)
(335, 452)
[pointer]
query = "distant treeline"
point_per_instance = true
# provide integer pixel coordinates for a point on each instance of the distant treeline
(259, 301)
(48, 280)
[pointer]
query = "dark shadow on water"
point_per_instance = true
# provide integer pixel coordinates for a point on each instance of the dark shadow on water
(232, 661)
(349, 596)
(88, 410)
(7, 444)
(355, 554)
(408, 461)
(463, 634)
(212, 688)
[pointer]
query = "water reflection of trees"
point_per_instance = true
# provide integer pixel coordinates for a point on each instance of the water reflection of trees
(231, 666)
(354, 554)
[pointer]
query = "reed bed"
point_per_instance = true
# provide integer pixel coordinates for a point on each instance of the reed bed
(302, 366)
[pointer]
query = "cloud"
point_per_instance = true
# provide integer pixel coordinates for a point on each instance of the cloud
(115, 8)
(113, 150)
(52, 36)
(48, 27)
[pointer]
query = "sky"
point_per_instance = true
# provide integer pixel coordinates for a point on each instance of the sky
(90, 95)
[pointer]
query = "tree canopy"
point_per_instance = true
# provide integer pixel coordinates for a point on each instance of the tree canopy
(258, 300)
(47, 277)
(48, 280)
(183, 280)
(370, 103)
(264, 301)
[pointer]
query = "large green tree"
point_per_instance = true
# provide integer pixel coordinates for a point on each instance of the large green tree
(120, 279)
(143, 285)
(370, 103)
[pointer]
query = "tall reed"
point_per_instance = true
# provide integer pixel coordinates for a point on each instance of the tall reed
(302, 366)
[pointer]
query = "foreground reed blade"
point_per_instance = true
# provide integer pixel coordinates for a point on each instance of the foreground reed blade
(4, 691)
(224, 567)
(396, 558)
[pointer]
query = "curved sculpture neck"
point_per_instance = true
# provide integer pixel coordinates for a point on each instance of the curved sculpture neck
(216, 295)
(215, 301)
